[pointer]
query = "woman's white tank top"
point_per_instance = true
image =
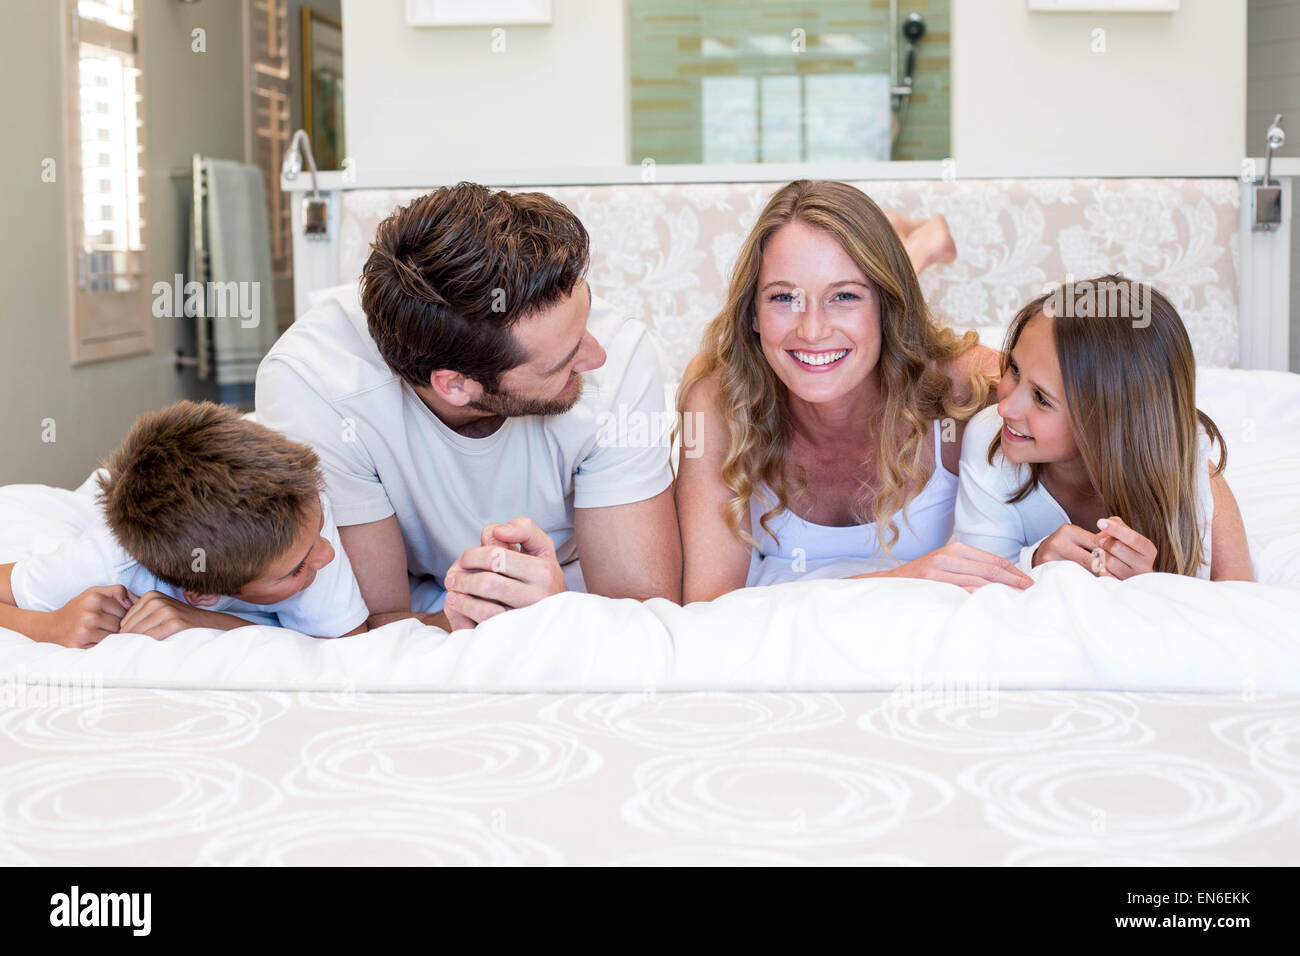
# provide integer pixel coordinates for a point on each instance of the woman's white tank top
(923, 525)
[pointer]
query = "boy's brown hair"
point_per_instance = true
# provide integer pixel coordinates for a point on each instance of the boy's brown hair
(450, 273)
(197, 475)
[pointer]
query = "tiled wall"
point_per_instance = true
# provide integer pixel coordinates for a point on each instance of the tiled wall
(676, 45)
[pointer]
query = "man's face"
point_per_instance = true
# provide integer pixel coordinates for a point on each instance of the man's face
(560, 349)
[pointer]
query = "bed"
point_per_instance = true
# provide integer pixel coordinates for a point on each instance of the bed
(813, 721)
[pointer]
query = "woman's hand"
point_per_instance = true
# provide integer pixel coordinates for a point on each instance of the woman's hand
(1069, 542)
(960, 564)
(1121, 551)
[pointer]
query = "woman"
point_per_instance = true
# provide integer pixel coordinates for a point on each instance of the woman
(829, 408)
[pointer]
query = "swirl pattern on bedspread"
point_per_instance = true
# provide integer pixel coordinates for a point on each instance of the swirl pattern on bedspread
(930, 774)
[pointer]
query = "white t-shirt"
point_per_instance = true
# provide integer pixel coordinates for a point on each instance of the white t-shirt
(328, 607)
(985, 519)
(384, 452)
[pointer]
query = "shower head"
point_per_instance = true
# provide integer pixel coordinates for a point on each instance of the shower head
(913, 27)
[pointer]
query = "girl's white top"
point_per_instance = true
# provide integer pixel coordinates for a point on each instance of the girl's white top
(984, 519)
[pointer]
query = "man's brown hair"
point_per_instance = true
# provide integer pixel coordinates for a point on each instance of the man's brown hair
(197, 475)
(451, 272)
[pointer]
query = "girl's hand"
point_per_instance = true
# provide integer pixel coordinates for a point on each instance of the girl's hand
(960, 564)
(1121, 551)
(1069, 542)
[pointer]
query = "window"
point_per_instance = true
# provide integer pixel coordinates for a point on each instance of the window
(105, 175)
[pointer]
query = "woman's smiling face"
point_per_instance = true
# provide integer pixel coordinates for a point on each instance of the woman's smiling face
(1031, 399)
(818, 317)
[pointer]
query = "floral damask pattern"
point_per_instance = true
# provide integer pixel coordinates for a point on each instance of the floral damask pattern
(664, 252)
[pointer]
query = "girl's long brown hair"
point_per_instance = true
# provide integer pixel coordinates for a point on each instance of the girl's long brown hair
(915, 387)
(1130, 390)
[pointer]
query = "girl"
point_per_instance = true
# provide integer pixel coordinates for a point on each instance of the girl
(1096, 452)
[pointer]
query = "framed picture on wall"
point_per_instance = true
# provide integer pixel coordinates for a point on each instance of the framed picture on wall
(322, 87)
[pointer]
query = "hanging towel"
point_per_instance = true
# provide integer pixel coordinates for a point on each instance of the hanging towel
(240, 294)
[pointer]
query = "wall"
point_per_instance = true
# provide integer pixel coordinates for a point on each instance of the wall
(1272, 87)
(1028, 90)
(425, 97)
(193, 102)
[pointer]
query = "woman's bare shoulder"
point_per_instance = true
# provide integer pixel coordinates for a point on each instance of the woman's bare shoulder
(705, 387)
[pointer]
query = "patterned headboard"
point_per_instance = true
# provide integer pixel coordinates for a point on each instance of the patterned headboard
(664, 252)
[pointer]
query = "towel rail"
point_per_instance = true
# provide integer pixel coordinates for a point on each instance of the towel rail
(201, 257)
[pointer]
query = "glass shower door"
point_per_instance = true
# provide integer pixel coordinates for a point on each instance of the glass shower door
(785, 81)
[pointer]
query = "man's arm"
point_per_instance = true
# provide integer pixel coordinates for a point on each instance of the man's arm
(377, 552)
(632, 550)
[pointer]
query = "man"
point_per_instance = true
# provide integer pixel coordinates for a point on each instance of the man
(463, 383)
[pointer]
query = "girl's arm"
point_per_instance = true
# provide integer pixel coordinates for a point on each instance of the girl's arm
(6, 589)
(1230, 558)
(982, 517)
(713, 561)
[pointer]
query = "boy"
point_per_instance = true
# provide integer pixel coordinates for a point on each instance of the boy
(205, 520)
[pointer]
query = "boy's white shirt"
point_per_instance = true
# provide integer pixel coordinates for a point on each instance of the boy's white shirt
(384, 452)
(984, 519)
(330, 606)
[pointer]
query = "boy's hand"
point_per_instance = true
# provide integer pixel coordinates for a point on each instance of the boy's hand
(1121, 551)
(1069, 542)
(159, 616)
(88, 618)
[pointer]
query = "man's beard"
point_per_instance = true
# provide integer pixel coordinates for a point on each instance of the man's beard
(512, 406)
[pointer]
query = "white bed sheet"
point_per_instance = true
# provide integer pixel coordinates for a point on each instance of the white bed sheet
(1070, 630)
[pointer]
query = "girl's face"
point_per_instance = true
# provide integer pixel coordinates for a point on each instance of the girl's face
(1031, 399)
(818, 317)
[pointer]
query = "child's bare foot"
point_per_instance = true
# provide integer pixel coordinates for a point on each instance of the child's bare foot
(930, 243)
(927, 241)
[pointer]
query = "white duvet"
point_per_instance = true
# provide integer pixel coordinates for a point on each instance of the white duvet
(1070, 630)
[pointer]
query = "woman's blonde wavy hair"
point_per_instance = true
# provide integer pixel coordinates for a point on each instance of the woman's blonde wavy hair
(913, 350)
